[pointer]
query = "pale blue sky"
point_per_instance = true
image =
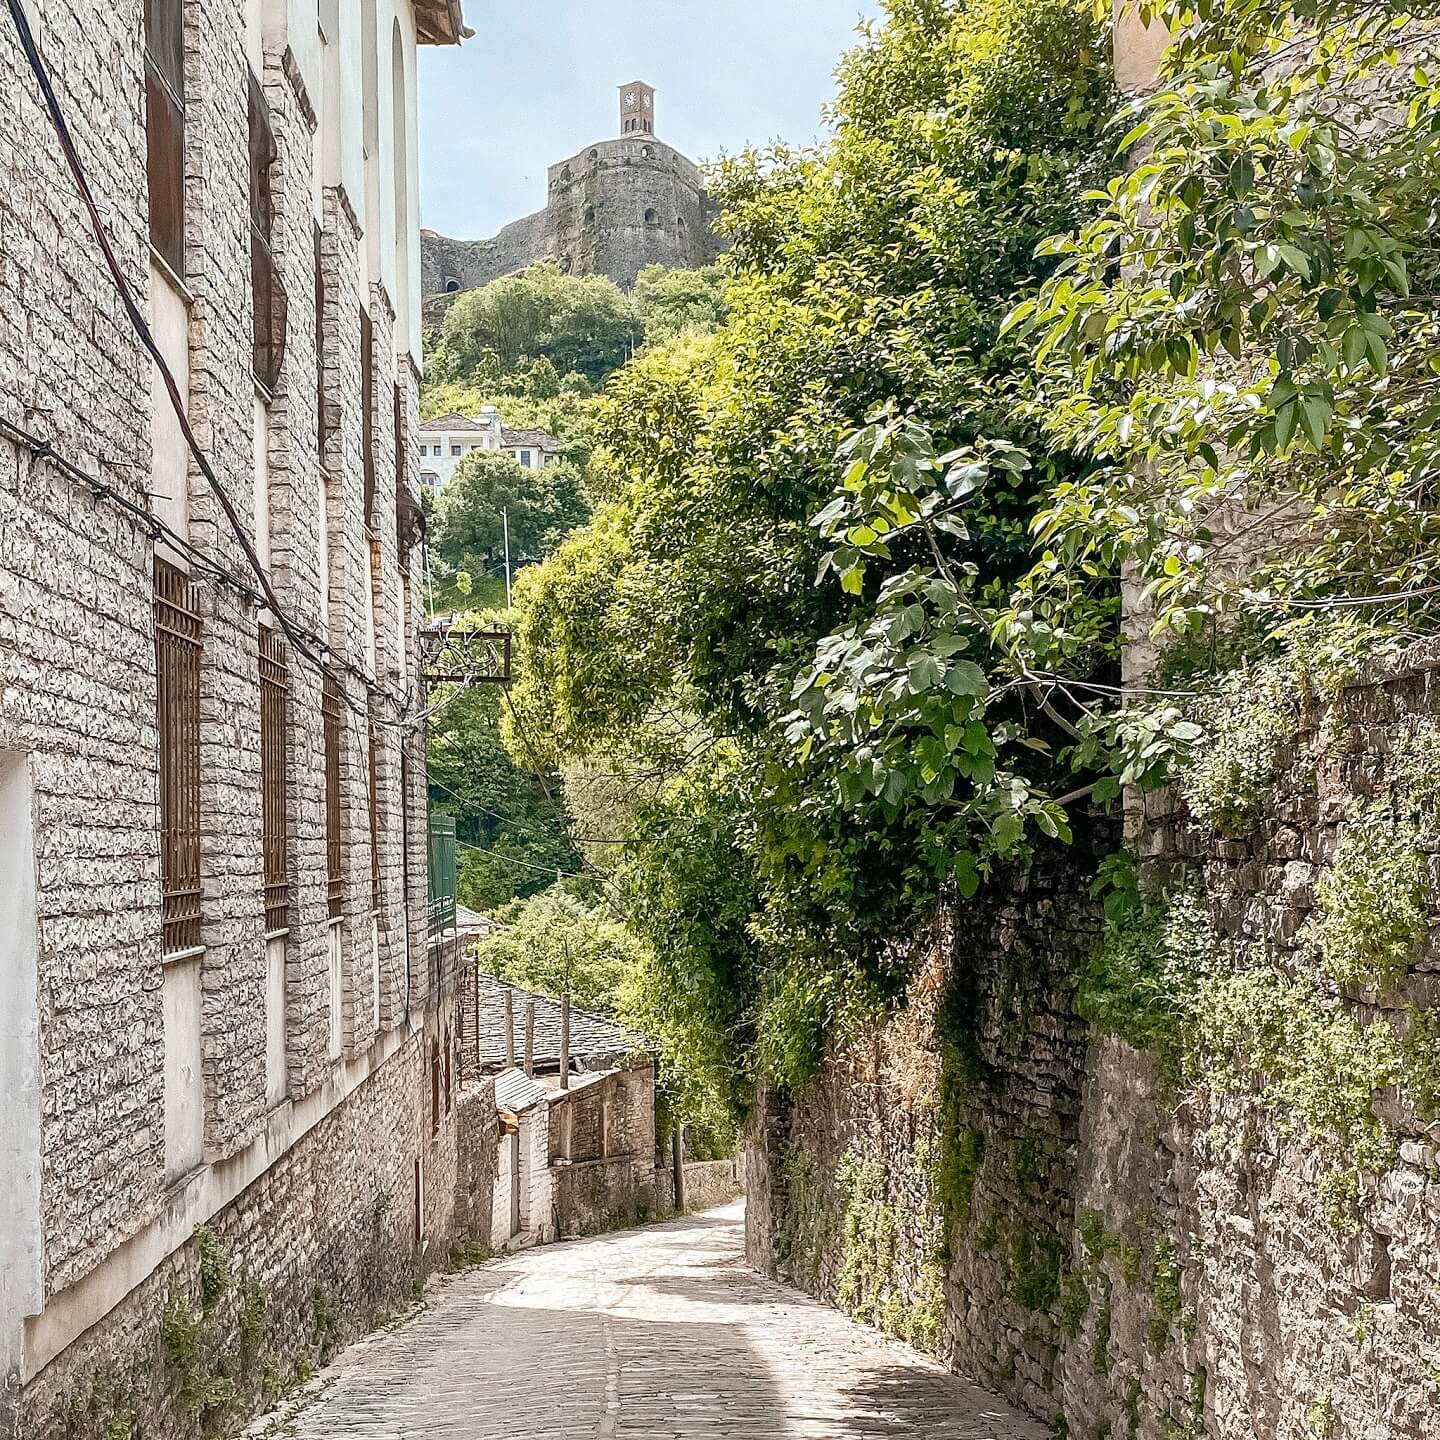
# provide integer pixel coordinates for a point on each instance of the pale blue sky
(540, 78)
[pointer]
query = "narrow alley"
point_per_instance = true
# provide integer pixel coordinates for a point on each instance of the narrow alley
(661, 1332)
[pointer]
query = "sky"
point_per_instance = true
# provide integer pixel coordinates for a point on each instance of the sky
(540, 80)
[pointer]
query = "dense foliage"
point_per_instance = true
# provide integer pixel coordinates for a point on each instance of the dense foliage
(556, 944)
(833, 744)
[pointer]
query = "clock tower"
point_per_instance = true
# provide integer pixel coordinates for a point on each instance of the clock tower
(637, 109)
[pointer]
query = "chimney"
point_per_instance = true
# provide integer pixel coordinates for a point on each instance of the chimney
(509, 1029)
(565, 1042)
(530, 1037)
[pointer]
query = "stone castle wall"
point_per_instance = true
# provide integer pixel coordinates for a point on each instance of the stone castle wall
(613, 209)
(1052, 1215)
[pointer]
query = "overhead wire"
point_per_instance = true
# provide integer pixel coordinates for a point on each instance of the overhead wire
(312, 647)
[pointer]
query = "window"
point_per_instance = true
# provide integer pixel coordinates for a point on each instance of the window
(402, 453)
(429, 479)
(165, 128)
(434, 1088)
(322, 426)
(449, 1073)
(367, 412)
(177, 670)
(650, 217)
(374, 817)
(330, 703)
(271, 306)
(525, 458)
(274, 703)
(454, 450)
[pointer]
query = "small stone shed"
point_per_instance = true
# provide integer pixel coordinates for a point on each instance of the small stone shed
(576, 1141)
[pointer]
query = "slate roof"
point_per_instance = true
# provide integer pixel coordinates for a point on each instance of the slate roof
(517, 1092)
(595, 1042)
(454, 420)
(540, 439)
(471, 922)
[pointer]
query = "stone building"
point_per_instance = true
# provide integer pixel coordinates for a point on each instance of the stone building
(228, 1130)
(447, 439)
(611, 209)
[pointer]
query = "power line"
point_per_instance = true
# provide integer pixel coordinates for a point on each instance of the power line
(554, 870)
(312, 647)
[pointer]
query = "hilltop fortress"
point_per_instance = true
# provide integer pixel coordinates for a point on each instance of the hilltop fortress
(613, 208)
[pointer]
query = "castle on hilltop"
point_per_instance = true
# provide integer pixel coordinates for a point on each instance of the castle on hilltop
(612, 209)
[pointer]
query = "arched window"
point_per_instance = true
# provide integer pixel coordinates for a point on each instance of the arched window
(566, 176)
(594, 156)
(650, 217)
(646, 152)
(589, 214)
(451, 285)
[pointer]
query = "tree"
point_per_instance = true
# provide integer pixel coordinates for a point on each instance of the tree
(576, 323)
(674, 302)
(556, 944)
(869, 281)
(490, 489)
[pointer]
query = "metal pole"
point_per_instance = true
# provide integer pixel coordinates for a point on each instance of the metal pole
(509, 1028)
(677, 1161)
(565, 1041)
(505, 519)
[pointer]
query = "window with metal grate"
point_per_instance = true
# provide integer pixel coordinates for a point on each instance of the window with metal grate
(274, 724)
(177, 670)
(330, 702)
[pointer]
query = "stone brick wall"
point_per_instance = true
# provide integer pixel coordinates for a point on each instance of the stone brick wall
(319, 1249)
(1051, 1216)
(78, 702)
(708, 1183)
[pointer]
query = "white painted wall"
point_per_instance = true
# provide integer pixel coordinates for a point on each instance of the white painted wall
(184, 1080)
(342, 122)
(170, 458)
(21, 1245)
(276, 1085)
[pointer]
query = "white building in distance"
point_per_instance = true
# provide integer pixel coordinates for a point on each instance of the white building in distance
(448, 439)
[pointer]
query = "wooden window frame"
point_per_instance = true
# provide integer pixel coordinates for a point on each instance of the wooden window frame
(274, 768)
(367, 412)
(178, 651)
(330, 707)
(270, 304)
(165, 129)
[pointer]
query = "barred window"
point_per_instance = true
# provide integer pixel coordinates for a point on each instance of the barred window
(177, 670)
(330, 703)
(274, 725)
(165, 128)
(374, 817)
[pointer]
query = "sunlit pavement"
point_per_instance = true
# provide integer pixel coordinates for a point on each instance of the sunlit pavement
(660, 1332)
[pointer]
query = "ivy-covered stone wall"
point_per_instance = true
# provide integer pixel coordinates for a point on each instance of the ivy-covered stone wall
(1161, 1161)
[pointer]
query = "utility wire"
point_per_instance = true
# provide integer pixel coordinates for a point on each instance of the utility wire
(310, 646)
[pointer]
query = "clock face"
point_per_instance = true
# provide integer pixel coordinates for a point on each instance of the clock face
(647, 102)
(630, 100)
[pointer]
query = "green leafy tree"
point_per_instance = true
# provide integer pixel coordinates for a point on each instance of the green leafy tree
(674, 302)
(555, 944)
(868, 284)
(584, 324)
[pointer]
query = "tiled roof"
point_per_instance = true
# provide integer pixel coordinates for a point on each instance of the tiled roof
(540, 439)
(595, 1042)
(453, 421)
(471, 921)
(517, 1092)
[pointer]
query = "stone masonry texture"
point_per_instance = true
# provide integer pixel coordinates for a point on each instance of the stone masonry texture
(1127, 1261)
(612, 209)
(334, 1227)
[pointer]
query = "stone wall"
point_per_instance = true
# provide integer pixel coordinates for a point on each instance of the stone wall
(109, 1225)
(612, 209)
(708, 1183)
(331, 1239)
(1246, 1248)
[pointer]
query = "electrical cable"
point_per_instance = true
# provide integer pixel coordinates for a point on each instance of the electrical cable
(310, 646)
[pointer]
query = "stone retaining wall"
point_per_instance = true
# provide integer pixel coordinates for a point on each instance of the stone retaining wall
(1037, 1203)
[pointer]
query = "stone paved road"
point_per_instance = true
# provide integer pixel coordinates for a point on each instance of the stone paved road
(654, 1334)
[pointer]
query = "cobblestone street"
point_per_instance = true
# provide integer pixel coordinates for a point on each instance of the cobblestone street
(655, 1334)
